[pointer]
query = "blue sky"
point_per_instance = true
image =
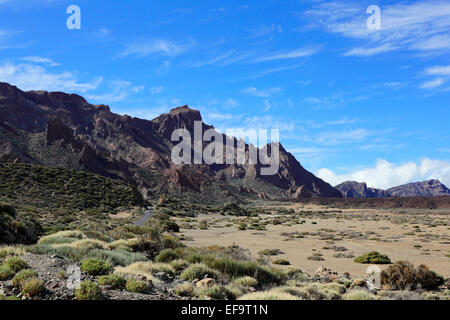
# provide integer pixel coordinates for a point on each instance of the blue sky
(350, 103)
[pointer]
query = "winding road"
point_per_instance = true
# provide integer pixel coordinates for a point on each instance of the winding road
(142, 220)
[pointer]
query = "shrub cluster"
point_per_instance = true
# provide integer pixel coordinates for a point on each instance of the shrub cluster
(373, 257)
(404, 276)
(96, 267)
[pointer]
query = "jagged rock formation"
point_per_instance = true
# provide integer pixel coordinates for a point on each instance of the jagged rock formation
(353, 189)
(427, 188)
(56, 129)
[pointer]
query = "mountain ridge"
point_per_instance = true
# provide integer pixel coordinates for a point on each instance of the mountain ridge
(57, 129)
(427, 188)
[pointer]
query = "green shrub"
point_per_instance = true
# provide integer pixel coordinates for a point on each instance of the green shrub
(296, 274)
(10, 298)
(358, 295)
(283, 262)
(198, 271)
(246, 282)
(32, 287)
(89, 291)
(218, 293)
(373, 257)
(138, 286)
(113, 281)
(167, 255)
(270, 252)
(96, 267)
(15, 264)
(179, 265)
(23, 276)
(7, 208)
(186, 289)
(5, 273)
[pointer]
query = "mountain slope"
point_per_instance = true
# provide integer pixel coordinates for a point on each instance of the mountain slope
(353, 189)
(63, 130)
(423, 189)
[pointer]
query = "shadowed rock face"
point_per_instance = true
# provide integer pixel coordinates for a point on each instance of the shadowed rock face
(353, 189)
(56, 129)
(423, 189)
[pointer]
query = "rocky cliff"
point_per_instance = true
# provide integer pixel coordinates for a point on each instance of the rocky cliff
(56, 129)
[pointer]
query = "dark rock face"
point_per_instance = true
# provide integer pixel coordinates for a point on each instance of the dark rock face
(56, 129)
(427, 188)
(353, 189)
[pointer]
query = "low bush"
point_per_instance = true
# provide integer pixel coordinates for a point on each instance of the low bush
(168, 255)
(96, 267)
(217, 293)
(293, 273)
(114, 281)
(15, 264)
(9, 251)
(32, 287)
(358, 295)
(5, 273)
(246, 282)
(269, 295)
(68, 236)
(270, 252)
(23, 276)
(138, 286)
(186, 289)
(404, 276)
(373, 257)
(89, 291)
(179, 265)
(282, 262)
(198, 271)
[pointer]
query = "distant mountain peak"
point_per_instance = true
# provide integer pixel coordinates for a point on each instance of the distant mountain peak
(354, 189)
(429, 188)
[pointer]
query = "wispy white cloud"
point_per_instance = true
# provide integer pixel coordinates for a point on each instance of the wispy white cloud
(156, 89)
(221, 59)
(36, 77)
(332, 138)
(422, 25)
(336, 100)
(263, 30)
(118, 90)
(269, 71)
(438, 70)
(370, 51)
(386, 174)
(292, 54)
(37, 59)
(269, 92)
(101, 33)
(163, 47)
(432, 83)
(443, 73)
